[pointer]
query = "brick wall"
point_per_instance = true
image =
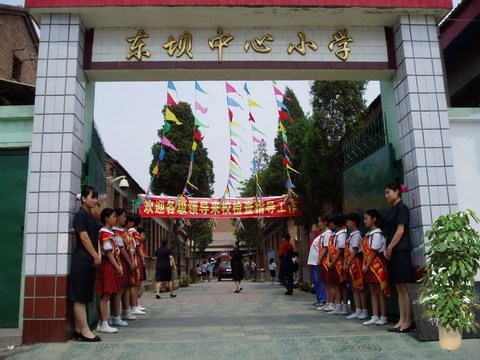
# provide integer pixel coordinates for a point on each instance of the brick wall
(13, 34)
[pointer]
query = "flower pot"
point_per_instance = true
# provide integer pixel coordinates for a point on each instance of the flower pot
(449, 340)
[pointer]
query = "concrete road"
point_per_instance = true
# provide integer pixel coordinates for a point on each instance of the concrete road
(210, 321)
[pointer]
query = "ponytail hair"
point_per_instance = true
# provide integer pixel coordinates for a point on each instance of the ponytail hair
(373, 213)
(106, 213)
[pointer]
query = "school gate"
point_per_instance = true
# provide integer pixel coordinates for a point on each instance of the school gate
(117, 40)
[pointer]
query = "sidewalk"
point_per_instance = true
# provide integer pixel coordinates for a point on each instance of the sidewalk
(209, 321)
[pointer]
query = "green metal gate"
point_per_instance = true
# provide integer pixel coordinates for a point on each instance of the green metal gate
(13, 186)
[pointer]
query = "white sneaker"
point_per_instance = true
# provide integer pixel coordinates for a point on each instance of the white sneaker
(352, 316)
(98, 326)
(107, 329)
(129, 316)
(137, 311)
(336, 311)
(118, 322)
(344, 310)
(329, 307)
(322, 307)
(383, 321)
(141, 308)
(372, 321)
(363, 315)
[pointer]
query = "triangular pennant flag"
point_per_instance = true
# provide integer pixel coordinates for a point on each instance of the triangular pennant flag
(155, 170)
(166, 127)
(170, 100)
(200, 108)
(250, 117)
(281, 128)
(233, 159)
(230, 115)
(234, 123)
(281, 105)
(289, 185)
(253, 103)
(284, 115)
(232, 177)
(231, 89)
(167, 142)
(285, 146)
(231, 102)
(192, 157)
(284, 137)
(234, 172)
(290, 168)
(246, 89)
(171, 86)
(232, 151)
(285, 161)
(199, 88)
(277, 91)
(234, 134)
(192, 186)
(256, 140)
(234, 166)
(194, 146)
(197, 135)
(170, 116)
(231, 184)
(233, 143)
(199, 123)
(256, 129)
(254, 165)
(162, 154)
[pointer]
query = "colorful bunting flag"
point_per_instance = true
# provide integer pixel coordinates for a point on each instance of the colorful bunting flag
(171, 86)
(199, 88)
(198, 123)
(231, 89)
(170, 116)
(197, 135)
(231, 102)
(167, 143)
(170, 101)
(200, 108)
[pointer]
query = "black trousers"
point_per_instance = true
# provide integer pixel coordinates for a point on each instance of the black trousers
(285, 274)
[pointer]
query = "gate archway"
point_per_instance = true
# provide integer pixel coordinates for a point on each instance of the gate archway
(324, 40)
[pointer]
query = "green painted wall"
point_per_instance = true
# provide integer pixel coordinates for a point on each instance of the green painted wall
(390, 116)
(16, 126)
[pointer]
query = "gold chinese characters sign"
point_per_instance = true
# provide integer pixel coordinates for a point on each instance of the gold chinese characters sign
(185, 207)
(261, 45)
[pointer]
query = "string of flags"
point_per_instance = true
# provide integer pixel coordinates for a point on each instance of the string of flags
(287, 153)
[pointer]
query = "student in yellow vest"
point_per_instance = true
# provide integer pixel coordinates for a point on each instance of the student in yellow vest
(374, 268)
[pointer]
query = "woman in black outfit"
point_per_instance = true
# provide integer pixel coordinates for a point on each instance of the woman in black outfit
(164, 266)
(84, 260)
(237, 266)
(398, 253)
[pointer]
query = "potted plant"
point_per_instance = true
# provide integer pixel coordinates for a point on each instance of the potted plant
(448, 287)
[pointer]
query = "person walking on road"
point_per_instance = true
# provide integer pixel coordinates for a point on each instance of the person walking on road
(285, 275)
(237, 266)
(164, 267)
(273, 269)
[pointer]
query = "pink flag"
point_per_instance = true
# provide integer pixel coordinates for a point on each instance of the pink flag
(200, 108)
(232, 142)
(167, 143)
(231, 89)
(232, 177)
(285, 146)
(278, 92)
(257, 140)
(250, 117)
(233, 159)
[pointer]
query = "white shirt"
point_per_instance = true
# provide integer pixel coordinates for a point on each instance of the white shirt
(272, 266)
(314, 249)
(341, 238)
(325, 237)
(118, 239)
(354, 240)
(376, 240)
(107, 245)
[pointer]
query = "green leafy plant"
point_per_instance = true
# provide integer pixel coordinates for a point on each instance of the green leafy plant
(448, 287)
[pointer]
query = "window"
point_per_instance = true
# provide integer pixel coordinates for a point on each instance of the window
(17, 69)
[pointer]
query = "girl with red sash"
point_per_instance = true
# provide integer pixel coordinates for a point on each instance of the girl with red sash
(135, 272)
(336, 274)
(374, 268)
(107, 279)
(322, 262)
(353, 267)
(123, 296)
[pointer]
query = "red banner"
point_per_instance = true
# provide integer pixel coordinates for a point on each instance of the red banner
(189, 207)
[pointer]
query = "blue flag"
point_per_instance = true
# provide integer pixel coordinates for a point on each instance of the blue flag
(199, 88)
(171, 86)
(246, 89)
(231, 102)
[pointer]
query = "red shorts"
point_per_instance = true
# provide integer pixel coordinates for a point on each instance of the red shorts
(107, 278)
(333, 278)
(322, 274)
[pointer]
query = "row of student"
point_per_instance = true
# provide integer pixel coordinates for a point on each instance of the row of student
(114, 251)
(379, 258)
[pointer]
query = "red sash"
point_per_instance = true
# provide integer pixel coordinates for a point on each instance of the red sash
(135, 273)
(332, 252)
(325, 259)
(355, 269)
(377, 267)
(104, 236)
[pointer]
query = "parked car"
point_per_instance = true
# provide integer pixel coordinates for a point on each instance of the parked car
(224, 270)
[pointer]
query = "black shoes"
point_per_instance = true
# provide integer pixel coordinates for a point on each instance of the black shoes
(289, 292)
(173, 295)
(158, 296)
(79, 336)
(409, 329)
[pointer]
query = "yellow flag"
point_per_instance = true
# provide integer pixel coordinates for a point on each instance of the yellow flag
(194, 146)
(281, 128)
(170, 116)
(155, 170)
(253, 103)
(290, 168)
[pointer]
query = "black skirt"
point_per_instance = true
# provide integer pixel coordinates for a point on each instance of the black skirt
(163, 274)
(237, 271)
(400, 268)
(81, 281)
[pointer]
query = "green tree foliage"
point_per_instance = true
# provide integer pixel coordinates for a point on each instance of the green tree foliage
(173, 169)
(250, 235)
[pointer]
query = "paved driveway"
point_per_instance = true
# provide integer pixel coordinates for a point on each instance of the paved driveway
(209, 321)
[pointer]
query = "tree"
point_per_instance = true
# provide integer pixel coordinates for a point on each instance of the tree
(173, 171)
